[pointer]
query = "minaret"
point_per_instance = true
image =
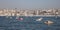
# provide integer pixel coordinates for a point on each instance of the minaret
(37, 12)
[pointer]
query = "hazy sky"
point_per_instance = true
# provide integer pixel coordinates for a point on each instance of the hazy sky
(29, 4)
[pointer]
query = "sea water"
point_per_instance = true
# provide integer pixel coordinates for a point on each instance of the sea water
(28, 23)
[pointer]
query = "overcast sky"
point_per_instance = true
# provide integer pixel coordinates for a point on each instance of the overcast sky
(29, 4)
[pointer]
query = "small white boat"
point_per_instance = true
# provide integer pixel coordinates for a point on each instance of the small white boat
(39, 19)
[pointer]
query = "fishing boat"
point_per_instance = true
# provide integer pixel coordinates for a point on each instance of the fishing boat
(49, 22)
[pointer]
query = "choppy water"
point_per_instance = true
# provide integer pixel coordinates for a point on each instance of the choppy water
(28, 23)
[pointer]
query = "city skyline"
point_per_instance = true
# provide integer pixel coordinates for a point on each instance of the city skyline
(29, 4)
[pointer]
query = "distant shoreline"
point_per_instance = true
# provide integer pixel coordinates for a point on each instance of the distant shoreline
(45, 15)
